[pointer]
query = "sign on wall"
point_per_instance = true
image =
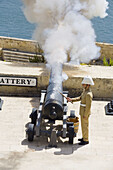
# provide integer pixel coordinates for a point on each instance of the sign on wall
(18, 81)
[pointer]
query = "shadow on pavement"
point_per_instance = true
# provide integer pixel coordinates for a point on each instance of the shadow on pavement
(35, 102)
(42, 143)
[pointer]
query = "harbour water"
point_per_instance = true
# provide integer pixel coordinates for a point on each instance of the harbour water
(14, 24)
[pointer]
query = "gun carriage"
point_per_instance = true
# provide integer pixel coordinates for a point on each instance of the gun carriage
(53, 106)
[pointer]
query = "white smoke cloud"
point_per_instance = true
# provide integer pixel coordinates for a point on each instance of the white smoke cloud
(95, 8)
(64, 27)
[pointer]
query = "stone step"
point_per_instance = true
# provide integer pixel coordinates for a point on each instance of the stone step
(10, 55)
(10, 58)
(20, 56)
(19, 52)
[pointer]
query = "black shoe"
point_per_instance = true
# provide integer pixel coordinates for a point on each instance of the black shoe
(81, 139)
(84, 143)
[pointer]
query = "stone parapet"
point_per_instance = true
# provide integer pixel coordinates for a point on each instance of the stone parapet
(102, 76)
(0, 53)
(32, 46)
(19, 44)
(103, 88)
(106, 50)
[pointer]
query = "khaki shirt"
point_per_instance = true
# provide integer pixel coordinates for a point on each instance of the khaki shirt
(86, 100)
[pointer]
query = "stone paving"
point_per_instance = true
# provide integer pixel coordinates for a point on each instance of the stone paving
(36, 69)
(16, 153)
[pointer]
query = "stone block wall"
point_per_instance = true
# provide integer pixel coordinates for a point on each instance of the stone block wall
(32, 46)
(106, 50)
(0, 53)
(103, 88)
(19, 44)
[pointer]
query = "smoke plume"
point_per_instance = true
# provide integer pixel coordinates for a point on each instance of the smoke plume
(64, 28)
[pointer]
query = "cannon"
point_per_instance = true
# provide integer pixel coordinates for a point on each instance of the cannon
(1, 103)
(109, 108)
(53, 106)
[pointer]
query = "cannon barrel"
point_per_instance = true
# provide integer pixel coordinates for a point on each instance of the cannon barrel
(53, 107)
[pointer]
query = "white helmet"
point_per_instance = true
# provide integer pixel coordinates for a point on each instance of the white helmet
(88, 80)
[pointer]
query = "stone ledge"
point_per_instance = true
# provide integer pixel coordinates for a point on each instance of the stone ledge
(32, 46)
(102, 76)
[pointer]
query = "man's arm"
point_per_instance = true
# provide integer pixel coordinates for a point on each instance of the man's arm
(73, 99)
(76, 99)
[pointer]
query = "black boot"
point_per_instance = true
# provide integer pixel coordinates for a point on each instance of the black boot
(81, 139)
(84, 142)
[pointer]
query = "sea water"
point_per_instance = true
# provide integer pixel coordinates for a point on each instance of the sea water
(14, 24)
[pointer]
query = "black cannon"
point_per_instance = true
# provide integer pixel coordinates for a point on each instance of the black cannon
(53, 106)
(1, 103)
(109, 108)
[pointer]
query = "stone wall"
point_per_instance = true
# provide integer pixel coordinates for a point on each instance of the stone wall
(19, 44)
(102, 90)
(106, 50)
(0, 53)
(32, 46)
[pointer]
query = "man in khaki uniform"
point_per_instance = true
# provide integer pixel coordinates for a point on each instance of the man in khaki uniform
(85, 108)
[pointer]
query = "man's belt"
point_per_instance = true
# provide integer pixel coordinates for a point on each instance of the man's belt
(84, 105)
